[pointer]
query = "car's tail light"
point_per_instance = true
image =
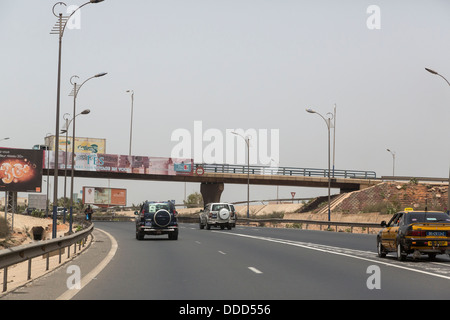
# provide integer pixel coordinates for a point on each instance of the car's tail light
(416, 233)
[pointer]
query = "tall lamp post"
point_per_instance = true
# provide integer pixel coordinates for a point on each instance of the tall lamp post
(66, 131)
(328, 123)
(131, 122)
(47, 155)
(75, 91)
(247, 141)
(448, 191)
(393, 161)
(58, 29)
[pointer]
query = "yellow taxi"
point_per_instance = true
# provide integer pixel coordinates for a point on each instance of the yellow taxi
(416, 232)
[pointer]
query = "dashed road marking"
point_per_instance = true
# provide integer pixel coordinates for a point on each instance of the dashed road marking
(255, 270)
(441, 271)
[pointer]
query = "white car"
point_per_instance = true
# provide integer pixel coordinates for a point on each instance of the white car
(218, 215)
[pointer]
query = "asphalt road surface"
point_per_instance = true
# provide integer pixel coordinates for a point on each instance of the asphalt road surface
(246, 263)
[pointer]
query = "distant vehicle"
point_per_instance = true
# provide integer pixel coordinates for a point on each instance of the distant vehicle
(60, 211)
(29, 210)
(156, 218)
(218, 215)
(417, 232)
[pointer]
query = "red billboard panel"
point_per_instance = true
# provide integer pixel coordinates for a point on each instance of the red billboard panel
(20, 170)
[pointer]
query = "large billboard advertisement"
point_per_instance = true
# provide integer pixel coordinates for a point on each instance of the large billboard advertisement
(122, 163)
(82, 145)
(20, 170)
(104, 196)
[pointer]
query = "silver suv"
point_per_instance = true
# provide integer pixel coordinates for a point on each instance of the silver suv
(219, 215)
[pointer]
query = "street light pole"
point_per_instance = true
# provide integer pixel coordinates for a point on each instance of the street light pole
(328, 123)
(131, 122)
(393, 161)
(247, 141)
(59, 30)
(448, 190)
(68, 122)
(76, 90)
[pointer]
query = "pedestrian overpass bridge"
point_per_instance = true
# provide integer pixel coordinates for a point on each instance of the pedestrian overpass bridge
(213, 176)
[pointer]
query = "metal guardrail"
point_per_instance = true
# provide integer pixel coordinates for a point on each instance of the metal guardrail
(306, 222)
(15, 255)
(243, 221)
(286, 171)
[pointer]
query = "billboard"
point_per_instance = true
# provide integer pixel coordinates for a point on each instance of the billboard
(82, 145)
(38, 201)
(122, 163)
(20, 170)
(104, 196)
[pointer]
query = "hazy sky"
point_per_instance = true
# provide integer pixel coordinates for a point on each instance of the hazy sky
(237, 64)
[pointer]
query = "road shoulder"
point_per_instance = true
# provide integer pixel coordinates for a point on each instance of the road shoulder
(56, 284)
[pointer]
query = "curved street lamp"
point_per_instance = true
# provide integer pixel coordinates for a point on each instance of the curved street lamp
(436, 73)
(66, 131)
(328, 123)
(247, 141)
(393, 161)
(75, 91)
(448, 190)
(59, 29)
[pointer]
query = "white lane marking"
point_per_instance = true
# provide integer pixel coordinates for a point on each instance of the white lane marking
(69, 294)
(340, 251)
(198, 242)
(222, 252)
(255, 270)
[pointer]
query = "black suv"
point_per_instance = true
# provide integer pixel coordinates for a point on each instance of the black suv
(156, 218)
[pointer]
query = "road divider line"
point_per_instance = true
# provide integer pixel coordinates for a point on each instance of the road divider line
(255, 270)
(323, 248)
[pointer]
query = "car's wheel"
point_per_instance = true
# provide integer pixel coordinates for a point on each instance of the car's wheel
(202, 226)
(380, 250)
(400, 254)
(139, 235)
(208, 226)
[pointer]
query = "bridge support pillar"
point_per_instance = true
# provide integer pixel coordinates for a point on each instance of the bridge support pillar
(211, 191)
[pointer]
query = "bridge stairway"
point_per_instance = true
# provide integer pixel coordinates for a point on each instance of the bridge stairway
(334, 202)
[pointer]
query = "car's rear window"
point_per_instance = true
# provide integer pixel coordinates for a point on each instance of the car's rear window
(217, 207)
(154, 207)
(427, 217)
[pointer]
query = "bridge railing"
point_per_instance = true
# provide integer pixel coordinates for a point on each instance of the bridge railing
(286, 171)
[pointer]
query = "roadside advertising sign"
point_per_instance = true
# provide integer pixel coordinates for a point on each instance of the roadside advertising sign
(104, 196)
(82, 145)
(101, 162)
(20, 170)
